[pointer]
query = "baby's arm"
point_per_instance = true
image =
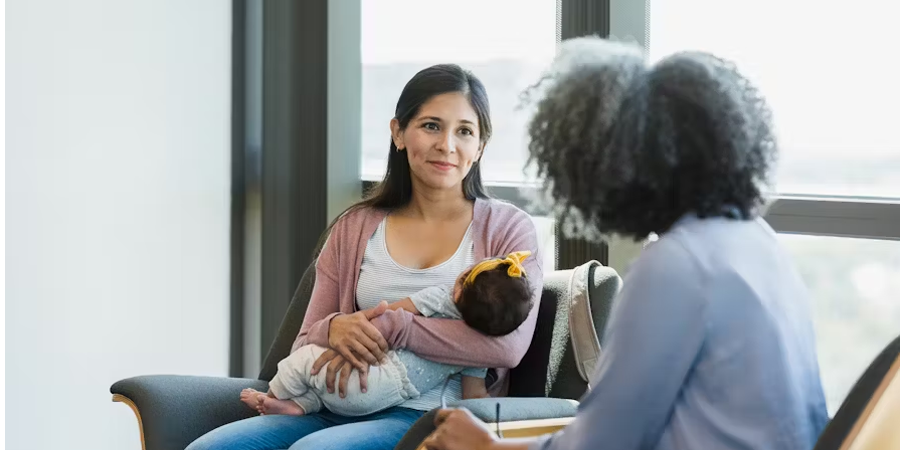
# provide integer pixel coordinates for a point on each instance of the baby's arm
(473, 387)
(406, 304)
(435, 300)
(428, 302)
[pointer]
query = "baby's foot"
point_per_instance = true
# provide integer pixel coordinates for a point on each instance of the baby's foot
(249, 397)
(270, 405)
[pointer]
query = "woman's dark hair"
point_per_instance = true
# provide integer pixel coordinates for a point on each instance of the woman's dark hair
(395, 190)
(629, 148)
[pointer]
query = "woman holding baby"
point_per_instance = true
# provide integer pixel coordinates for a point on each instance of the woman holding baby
(414, 237)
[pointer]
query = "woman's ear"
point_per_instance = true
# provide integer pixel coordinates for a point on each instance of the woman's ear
(480, 152)
(397, 134)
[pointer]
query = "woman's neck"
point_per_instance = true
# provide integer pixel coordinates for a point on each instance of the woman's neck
(437, 204)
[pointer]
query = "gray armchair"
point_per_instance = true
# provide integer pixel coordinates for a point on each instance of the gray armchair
(173, 410)
(545, 386)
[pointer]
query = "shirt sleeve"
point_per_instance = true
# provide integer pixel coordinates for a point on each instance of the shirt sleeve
(654, 337)
(474, 372)
(436, 300)
(324, 302)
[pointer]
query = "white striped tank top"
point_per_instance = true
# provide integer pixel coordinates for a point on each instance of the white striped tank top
(382, 278)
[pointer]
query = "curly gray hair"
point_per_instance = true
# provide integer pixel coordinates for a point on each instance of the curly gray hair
(629, 148)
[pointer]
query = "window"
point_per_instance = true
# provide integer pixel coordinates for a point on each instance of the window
(853, 285)
(546, 232)
(505, 43)
(823, 67)
(825, 70)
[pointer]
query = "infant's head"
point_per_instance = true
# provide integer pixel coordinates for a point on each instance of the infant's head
(493, 296)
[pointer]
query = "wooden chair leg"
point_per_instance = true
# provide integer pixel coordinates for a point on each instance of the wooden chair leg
(123, 399)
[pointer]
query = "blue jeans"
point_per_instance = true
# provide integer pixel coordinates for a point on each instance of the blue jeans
(323, 430)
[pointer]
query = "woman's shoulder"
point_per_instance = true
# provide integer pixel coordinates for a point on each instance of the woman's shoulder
(355, 221)
(359, 215)
(492, 209)
(497, 217)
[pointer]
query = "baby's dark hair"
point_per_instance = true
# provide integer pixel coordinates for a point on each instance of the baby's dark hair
(629, 147)
(495, 303)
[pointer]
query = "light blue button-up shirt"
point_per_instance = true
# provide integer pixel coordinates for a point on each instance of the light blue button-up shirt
(710, 346)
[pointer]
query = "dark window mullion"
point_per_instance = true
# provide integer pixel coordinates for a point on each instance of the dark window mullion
(581, 18)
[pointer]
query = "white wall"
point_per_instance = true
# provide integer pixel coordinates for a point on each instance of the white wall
(118, 180)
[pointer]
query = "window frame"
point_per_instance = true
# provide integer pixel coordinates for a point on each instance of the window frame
(837, 216)
(275, 64)
(573, 18)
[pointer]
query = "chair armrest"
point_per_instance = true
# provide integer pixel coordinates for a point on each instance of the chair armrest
(514, 409)
(519, 417)
(173, 410)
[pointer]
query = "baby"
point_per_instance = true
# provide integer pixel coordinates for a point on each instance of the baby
(492, 297)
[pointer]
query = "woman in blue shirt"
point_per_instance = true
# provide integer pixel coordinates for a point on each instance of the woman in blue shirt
(710, 344)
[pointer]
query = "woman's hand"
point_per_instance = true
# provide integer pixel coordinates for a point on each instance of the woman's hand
(336, 363)
(353, 341)
(458, 429)
(357, 340)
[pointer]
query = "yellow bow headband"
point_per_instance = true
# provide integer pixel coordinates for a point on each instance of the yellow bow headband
(515, 265)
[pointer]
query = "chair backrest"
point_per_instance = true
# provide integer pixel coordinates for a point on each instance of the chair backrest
(549, 368)
(290, 325)
(870, 415)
